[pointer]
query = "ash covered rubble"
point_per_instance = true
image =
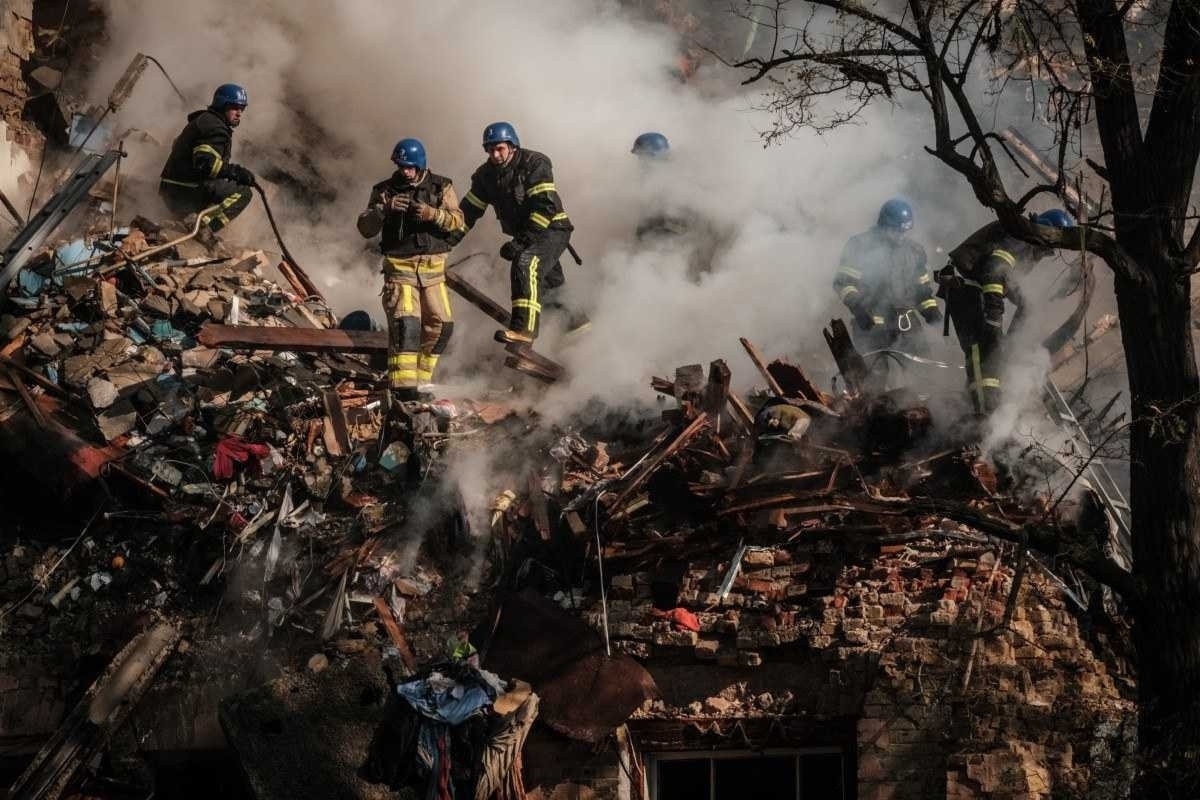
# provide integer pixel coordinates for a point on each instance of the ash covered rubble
(231, 541)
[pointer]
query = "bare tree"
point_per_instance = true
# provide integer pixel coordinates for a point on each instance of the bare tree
(1128, 73)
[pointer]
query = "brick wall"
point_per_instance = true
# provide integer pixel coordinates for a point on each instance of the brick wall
(824, 633)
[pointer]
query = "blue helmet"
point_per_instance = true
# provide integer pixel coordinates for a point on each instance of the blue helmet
(1054, 218)
(409, 153)
(896, 214)
(229, 94)
(651, 145)
(499, 132)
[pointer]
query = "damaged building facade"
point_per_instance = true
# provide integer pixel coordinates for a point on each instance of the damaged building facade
(828, 607)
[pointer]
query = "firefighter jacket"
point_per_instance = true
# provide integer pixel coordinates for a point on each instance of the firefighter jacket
(523, 194)
(985, 262)
(884, 277)
(201, 151)
(404, 235)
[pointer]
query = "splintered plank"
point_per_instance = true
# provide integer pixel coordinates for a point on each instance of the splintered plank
(311, 340)
(740, 412)
(716, 391)
(850, 363)
(757, 358)
(677, 444)
(537, 504)
(463, 288)
(296, 340)
(395, 634)
(336, 416)
(527, 367)
(521, 357)
(527, 353)
(794, 382)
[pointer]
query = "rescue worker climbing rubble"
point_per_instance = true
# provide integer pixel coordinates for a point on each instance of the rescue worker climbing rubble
(883, 280)
(519, 185)
(416, 214)
(199, 174)
(975, 284)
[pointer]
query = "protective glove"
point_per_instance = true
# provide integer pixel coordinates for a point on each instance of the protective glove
(932, 315)
(239, 174)
(400, 202)
(863, 319)
(510, 250)
(422, 211)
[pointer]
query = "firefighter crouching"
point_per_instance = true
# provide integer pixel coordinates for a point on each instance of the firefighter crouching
(199, 173)
(417, 216)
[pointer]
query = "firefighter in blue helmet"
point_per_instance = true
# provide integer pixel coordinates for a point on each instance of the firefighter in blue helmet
(518, 184)
(667, 226)
(883, 280)
(651, 145)
(975, 284)
(199, 172)
(653, 149)
(416, 214)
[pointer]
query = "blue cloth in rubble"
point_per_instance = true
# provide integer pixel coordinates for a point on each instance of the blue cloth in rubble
(450, 702)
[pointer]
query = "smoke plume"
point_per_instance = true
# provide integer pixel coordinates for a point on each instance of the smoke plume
(333, 86)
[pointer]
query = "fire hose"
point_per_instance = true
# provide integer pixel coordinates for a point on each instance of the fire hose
(309, 286)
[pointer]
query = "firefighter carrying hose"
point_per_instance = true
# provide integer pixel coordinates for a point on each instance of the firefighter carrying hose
(199, 174)
(519, 184)
(975, 284)
(417, 213)
(882, 279)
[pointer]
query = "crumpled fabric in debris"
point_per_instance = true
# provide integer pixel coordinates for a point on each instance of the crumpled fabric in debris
(234, 450)
(451, 706)
(504, 747)
(680, 618)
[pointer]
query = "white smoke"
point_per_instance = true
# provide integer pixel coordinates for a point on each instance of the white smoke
(338, 84)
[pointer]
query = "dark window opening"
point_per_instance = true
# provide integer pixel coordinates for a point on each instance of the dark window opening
(817, 774)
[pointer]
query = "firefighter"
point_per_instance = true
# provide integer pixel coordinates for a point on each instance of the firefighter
(883, 280)
(199, 173)
(417, 214)
(653, 149)
(680, 230)
(975, 284)
(519, 185)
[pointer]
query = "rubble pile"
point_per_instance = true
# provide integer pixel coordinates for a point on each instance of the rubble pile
(794, 569)
(829, 572)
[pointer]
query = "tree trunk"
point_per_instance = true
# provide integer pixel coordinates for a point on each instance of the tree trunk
(1165, 495)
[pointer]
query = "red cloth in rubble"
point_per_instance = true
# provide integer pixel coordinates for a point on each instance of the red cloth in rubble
(681, 618)
(234, 449)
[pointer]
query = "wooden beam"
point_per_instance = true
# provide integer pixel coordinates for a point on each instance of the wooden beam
(38, 378)
(395, 634)
(337, 418)
(850, 363)
(741, 412)
(29, 399)
(538, 507)
(757, 358)
(468, 292)
(680, 441)
(298, 340)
